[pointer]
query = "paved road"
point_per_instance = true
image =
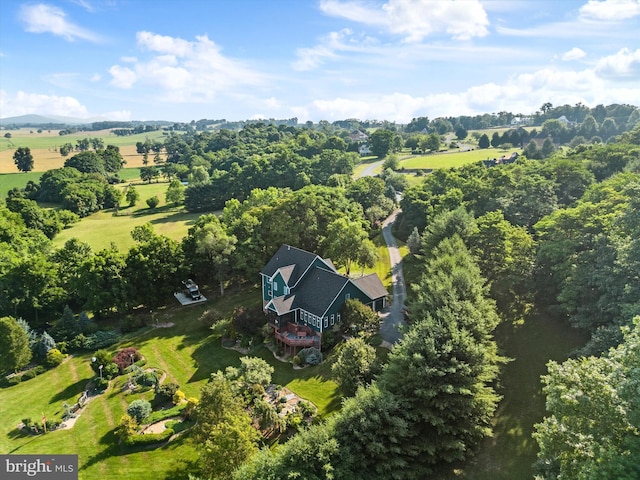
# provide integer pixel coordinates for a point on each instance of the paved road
(392, 317)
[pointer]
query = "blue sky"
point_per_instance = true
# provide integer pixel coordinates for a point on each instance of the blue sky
(314, 59)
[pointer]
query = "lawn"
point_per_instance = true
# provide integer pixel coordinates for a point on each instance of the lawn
(512, 452)
(101, 228)
(188, 352)
(453, 159)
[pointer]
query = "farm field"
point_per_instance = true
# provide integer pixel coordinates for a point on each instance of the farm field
(102, 228)
(50, 140)
(188, 352)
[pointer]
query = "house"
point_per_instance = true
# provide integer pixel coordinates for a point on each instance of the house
(302, 294)
(357, 136)
(364, 150)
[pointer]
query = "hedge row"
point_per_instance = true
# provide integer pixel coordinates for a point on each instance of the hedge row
(149, 438)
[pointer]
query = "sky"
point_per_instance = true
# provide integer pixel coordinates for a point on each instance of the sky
(314, 59)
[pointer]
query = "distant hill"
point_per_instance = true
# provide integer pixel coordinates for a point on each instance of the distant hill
(33, 120)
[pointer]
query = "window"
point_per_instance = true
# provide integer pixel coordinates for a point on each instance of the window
(347, 296)
(275, 286)
(286, 290)
(333, 319)
(338, 317)
(326, 322)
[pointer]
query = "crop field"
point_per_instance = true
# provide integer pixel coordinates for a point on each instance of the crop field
(187, 352)
(49, 140)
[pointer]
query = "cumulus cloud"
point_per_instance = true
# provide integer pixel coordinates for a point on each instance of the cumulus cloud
(574, 54)
(23, 103)
(183, 70)
(416, 19)
(521, 93)
(42, 18)
(625, 63)
(610, 10)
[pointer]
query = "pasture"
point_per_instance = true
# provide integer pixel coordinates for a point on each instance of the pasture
(102, 228)
(452, 158)
(188, 352)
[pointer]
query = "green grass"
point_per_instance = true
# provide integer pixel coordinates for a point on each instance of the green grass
(16, 180)
(512, 451)
(188, 352)
(451, 160)
(45, 140)
(102, 228)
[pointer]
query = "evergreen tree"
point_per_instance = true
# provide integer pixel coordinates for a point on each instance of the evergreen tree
(14, 345)
(413, 242)
(45, 344)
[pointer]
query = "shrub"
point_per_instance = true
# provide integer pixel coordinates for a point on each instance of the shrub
(139, 410)
(306, 408)
(39, 370)
(101, 339)
(190, 407)
(149, 438)
(153, 201)
(297, 360)
(247, 321)
(179, 397)
(126, 428)
(15, 380)
(110, 371)
(54, 358)
(100, 384)
(165, 393)
(126, 357)
(311, 355)
(28, 375)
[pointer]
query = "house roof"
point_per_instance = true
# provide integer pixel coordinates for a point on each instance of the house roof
(371, 286)
(318, 290)
(295, 261)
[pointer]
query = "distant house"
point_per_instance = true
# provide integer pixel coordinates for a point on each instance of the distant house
(303, 293)
(357, 136)
(521, 121)
(364, 150)
(566, 122)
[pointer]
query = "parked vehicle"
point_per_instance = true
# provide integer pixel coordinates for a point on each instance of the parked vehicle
(191, 289)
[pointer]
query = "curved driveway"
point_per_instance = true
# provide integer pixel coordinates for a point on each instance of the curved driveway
(393, 317)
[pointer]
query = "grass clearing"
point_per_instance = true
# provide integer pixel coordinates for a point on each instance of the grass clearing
(453, 159)
(102, 228)
(512, 451)
(16, 180)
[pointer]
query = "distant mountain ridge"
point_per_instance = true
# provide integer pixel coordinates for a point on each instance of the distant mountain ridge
(33, 119)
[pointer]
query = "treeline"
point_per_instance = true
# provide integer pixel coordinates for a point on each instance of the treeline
(622, 116)
(578, 208)
(36, 281)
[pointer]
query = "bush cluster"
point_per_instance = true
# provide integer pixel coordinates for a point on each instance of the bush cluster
(148, 438)
(126, 357)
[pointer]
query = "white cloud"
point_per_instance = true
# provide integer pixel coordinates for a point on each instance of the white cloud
(42, 18)
(310, 58)
(522, 93)
(23, 103)
(574, 54)
(96, 77)
(416, 19)
(183, 70)
(625, 63)
(610, 10)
